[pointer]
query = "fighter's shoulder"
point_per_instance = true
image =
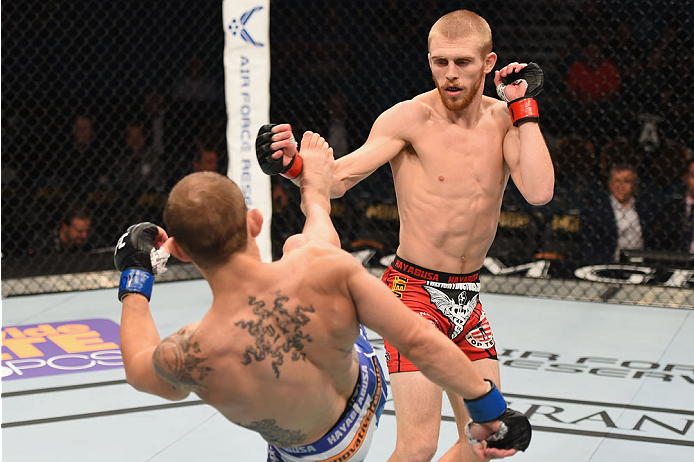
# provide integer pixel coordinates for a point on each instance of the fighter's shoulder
(320, 253)
(325, 265)
(492, 104)
(409, 111)
(167, 354)
(496, 107)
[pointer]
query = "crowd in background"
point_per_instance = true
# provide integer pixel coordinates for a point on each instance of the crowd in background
(87, 152)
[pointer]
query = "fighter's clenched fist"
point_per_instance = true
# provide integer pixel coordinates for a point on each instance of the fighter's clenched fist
(275, 148)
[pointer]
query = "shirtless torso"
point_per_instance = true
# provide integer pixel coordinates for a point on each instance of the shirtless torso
(278, 330)
(449, 173)
(449, 181)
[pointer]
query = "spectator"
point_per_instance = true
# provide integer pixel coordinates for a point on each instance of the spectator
(589, 19)
(624, 49)
(659, 97)
(674, 230)
(136, 168)
(575, 166)
(154, 121)
(594, 78)
(84, 160)
(196, 86)
(670, 166)
(206, 160)
(337, 133)
(593, 85)
(202, 156)
(212, 137)
(82, 132)
(72, 234)
(617, 220)
(619, 150)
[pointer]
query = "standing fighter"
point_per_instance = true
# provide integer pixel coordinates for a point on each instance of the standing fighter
(281, 351)
(451, 150)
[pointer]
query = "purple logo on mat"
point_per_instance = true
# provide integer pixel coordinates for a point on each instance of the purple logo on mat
(53, 348)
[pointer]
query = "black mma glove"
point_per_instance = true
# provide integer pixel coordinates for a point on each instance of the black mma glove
(271, 166)
(515, 430)
(524, 109)
(134, 257)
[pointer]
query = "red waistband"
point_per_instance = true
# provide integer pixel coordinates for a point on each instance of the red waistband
(430, 275)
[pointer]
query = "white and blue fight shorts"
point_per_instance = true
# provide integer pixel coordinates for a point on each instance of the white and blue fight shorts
(350, 438)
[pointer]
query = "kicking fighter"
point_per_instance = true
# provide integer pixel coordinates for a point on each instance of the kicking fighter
(451, 151)
(281, 351)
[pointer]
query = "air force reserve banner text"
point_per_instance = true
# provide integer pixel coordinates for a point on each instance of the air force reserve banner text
(247, 85)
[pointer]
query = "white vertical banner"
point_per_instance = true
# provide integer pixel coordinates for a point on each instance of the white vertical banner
(247, 88)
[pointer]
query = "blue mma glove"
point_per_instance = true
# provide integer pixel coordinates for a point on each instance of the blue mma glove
(134, 256)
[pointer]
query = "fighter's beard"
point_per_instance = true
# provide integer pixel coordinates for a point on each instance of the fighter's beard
(459, 105)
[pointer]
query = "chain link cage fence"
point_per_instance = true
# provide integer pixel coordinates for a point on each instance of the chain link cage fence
(105, 105)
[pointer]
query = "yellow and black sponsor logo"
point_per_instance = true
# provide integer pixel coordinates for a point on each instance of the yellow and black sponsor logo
(399, 286)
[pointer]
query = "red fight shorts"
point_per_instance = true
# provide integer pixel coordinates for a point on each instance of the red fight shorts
(448, 301)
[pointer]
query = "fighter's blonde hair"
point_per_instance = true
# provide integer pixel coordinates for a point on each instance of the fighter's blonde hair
(463, 24)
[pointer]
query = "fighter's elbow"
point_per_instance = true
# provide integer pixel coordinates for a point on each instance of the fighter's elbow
(540, 194)
(135, 381)
(174, 394)
(343, 180)
(418, 346)
(541, 197)
(165, 391)
(338, 189)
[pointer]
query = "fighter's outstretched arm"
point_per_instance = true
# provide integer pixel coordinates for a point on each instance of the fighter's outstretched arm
(276, 148)
(386, 140)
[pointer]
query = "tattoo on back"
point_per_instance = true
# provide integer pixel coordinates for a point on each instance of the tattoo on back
(177, 360)
(275, 435)
(276, 332)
